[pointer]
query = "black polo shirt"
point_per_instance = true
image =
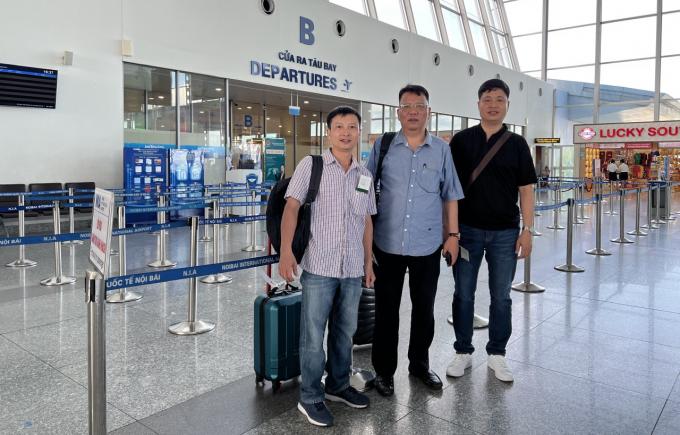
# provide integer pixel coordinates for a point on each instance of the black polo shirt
(491, 202)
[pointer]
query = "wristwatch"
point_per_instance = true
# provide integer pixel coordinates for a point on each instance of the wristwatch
(456, 235)
(531, 229)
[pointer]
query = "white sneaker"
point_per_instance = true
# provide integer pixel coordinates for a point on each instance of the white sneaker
(457, 367)
(479, 322)
(499, 365)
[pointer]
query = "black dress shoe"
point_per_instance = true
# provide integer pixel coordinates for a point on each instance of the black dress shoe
(430, 379)
(384, 385)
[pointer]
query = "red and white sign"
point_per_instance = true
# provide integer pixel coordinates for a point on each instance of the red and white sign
(669, 144)
(102, 224)
(665, 131)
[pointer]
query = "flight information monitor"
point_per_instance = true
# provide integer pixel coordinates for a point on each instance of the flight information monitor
(28, 87)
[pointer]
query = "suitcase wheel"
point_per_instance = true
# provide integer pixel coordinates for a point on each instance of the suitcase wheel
(259, 381)
(276, 386)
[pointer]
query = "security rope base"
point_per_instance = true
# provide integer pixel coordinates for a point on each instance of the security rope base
(58, 280)
(596, 251)
(528, 287)
(158, 264)
(216, 279)
(122, 297)
(21, 263)
(621, 240)
(191, 328)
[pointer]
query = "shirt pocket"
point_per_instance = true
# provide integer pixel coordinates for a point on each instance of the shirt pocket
(359, 203)
(429, 180)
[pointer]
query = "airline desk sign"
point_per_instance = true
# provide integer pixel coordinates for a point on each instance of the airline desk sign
(102, 224)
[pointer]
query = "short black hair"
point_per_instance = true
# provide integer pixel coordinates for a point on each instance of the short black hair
(492, 84)
(414, 89)
(341, 111)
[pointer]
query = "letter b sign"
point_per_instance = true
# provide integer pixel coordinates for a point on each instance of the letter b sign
(306, 31)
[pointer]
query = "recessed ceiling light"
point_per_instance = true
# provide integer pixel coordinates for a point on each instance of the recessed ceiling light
(249, 107)
(268, 118)
(240, 108)
(280, 126)
(218, 89)
(161, 97)
(151, 98)
(304, 116)
(288, 131)
(306, 102)
(162, 126)
(201, 112)
(314, 115)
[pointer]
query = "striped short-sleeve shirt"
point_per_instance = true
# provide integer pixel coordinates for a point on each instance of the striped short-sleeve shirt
(339, 214)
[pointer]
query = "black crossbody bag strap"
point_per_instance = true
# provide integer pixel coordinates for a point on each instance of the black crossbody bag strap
(385, 143)
(314, 179)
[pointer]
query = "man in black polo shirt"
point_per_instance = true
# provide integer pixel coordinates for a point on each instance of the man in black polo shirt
(489, 224)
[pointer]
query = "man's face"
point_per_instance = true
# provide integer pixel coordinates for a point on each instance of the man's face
(343, 133)
(413, 112)
(493, 106)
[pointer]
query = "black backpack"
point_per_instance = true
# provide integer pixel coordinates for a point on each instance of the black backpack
(277, 202)
(385, 143)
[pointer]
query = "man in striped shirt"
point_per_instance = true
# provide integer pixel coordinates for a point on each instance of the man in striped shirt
(338, 255)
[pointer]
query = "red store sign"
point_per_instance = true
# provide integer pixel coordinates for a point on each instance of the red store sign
(665, 131)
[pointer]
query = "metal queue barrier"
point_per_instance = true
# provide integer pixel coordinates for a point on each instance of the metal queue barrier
(123, 294)
(22, 261)
(216, 238)
(59, 278)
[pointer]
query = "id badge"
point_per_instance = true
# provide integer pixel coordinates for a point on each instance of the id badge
(364, 183)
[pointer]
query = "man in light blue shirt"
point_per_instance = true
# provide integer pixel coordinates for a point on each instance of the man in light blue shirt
(417, 214)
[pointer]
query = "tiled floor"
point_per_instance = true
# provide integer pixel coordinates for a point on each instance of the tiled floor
(598, 352)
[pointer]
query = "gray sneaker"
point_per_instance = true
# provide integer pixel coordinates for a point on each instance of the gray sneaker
(317, 413)
(349, 397)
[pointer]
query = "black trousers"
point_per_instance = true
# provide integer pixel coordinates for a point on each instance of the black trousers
(423, 275)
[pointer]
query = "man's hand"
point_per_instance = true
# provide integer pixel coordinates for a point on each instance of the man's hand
(451, 246)
(523, 245)
(369, 275)
(287, 266)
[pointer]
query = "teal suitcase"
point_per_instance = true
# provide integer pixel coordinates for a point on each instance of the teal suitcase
(277, 337)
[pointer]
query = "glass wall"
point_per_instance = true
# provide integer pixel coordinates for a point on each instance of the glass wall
(474, 26)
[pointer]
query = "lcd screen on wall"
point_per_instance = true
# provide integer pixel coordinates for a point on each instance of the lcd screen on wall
(28, 87)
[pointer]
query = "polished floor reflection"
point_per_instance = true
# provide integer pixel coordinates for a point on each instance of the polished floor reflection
(597, 353)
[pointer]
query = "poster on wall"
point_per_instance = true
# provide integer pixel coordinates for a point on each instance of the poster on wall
(186, 179)
(274, 159)
(144, 170)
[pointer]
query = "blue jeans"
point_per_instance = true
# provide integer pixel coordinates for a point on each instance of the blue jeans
(334, 300)
(502, 259)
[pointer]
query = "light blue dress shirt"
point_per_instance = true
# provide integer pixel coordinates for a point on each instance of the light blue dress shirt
(414, 187)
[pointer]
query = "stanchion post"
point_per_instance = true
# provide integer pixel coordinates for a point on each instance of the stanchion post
(536, 201)
(597, 250)
(569, 266)
(206, 216)
(192, 326)
(583, 206)
(58, 278)
(22, 261)
(556, 224)
(637, 231)
(95, 293)
(219, 277)
(657, 210)
(578, 196)
(162, 257)
(650, 225)
(669, 198)
(123, 294)
(71, 219)
(252, 228)
(527, 286)
(622, 230)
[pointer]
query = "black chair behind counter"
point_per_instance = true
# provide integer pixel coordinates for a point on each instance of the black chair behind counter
(44, 187)
(81, 185)
(10, 201)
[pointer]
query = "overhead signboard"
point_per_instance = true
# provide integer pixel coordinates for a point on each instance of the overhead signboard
(665, 131)
(102, 224)
(546, 140)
